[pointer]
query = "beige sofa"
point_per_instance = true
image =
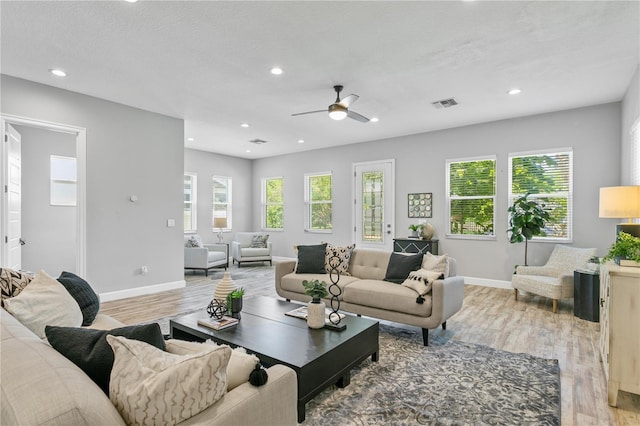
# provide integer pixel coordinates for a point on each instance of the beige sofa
(40, 386)
(365, 293)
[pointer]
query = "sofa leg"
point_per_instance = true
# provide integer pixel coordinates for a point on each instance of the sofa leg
(425, 336)
(444, 325)
(555, 306)
(206, 272)
(515, 293)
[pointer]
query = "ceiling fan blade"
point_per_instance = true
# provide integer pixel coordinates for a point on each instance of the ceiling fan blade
(348, 100)
(356, 116)
(309, 112)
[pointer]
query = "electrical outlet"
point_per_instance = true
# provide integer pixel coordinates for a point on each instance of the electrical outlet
(144, 270)
(171, 223)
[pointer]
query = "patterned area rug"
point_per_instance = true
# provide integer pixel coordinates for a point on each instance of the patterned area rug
(446, 383)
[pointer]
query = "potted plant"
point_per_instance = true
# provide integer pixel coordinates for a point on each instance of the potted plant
(625, 251)
(415, 230)
(234, 302)
(315, 309)
(526, 218)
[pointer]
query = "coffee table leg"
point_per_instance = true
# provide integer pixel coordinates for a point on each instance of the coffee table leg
(374, 357)
(344, 380)
(301, 412)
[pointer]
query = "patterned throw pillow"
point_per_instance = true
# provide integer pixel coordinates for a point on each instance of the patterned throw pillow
(194, 241)
(12, 282)
(142, 374)
(421, 281)
(344, 256)
(431, 262)
(259, 241)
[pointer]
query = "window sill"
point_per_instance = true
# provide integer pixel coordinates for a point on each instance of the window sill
(471, 237)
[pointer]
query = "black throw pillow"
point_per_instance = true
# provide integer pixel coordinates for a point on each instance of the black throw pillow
(311, 259)
(89, 350)
(400, 265)
(84, 295)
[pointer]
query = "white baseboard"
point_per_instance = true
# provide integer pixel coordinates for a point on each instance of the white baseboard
(484, 282)
(140, 291)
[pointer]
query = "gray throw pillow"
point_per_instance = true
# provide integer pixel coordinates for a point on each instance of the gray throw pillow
(82, 292)
(311, 259)
(400, 265)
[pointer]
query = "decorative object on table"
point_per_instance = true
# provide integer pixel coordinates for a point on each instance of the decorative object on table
(258, 376)
(420, 204)
(526, 218)
(220, 223)
(217, 309)
(224, 287)
(625, 251)
(335, 260)
(415, 229)
(621, 202)
(218, 324)
(427, 231)
(593, 264)
(234, 303)
(315, 309)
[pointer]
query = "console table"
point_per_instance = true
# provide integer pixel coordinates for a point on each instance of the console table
(415, 245)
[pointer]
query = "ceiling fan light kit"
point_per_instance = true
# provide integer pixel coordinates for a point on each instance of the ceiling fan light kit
(339, 110)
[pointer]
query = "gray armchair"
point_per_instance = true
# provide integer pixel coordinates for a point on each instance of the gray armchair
(204, 256)
(251, 247)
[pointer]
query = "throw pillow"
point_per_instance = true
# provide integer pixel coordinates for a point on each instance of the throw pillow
(435, 263)
(44, 302)
(152, 387)
(259, 241)
(421, 281)
(241, 364)
(194, 241)
(343, 253)
(12, 282)
(82, 292)
(89, 350)
(400, 265)
(311, 259)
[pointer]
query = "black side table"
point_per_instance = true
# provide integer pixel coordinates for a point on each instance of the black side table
(586, 295)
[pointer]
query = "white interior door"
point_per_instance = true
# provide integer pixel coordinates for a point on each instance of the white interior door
(14, 198)
(374, 204)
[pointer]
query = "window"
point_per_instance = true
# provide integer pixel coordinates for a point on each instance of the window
(471, 197)
(190, 204)
(273, 203)
(318, 200)
(63, 181)
(548, 177)
(221, 201)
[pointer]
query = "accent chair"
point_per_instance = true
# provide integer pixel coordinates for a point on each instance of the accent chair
(204, 256)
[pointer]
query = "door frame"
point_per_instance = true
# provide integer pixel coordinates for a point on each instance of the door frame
(392, 184)
(81, 159)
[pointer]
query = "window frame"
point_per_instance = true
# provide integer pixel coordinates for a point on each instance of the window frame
(449, 198)
(59, 180)
(265, 204)
(511, 196)
(229, 203)
(194, 204)
(309, 203)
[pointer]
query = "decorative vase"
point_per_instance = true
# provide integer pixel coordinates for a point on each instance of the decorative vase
(224, 287)
(236, 307)
(315, 314)
(428, 231)
(414, 234)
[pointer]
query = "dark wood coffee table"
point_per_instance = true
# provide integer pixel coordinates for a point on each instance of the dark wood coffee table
(320, 358)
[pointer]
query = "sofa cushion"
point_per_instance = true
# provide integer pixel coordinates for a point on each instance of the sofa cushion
(400, 265)
(293, 282)
(214, 256)
(44, 302)
(244, 238)
(150, 386)
(84, 295)
(259, 241)
(369, 264)
(89, 350)
(387, 296)
(240, 366)
(311, 259)
(344, 256)
(12, 282)
(254, 252)
(432, 262)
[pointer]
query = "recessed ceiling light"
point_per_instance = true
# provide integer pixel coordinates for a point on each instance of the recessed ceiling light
(374, 119)
(248, 150)
(190, 139)
(58, 72)
(244, 125)
(276, 71)
(300, 140)
(131, 1)
(514, 91)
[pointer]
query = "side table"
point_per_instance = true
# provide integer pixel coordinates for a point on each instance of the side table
(586, 295)
(415, 245)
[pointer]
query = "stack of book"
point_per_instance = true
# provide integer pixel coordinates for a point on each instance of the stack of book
(218, 324)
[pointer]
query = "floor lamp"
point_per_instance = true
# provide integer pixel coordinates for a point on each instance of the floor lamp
(621, 202)
(220, 223)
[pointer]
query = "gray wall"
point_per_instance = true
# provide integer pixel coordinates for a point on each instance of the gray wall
(129, 151)
(630, 114)
(50, 231)
(593, 133)
(205, 165)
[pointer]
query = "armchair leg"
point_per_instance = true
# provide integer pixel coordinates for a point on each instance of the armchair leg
(555, 306)
(444, 325)
(515, 293)
(425, 336)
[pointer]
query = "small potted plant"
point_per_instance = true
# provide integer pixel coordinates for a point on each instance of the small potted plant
(234, 302)
(625, 251)
(315, 309)
(415, 229)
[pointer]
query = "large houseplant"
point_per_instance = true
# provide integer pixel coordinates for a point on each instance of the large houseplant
(626, 247)
(315, 309)
(527, 219)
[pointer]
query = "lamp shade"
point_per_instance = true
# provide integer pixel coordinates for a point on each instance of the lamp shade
(219, 222)
(620, 202)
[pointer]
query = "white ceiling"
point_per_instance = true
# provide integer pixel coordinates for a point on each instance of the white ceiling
(208, 62)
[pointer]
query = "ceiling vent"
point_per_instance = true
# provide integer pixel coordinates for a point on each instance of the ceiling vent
(257, 141)
(445, 103)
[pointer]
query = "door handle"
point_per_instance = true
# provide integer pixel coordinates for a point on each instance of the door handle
(22, 242)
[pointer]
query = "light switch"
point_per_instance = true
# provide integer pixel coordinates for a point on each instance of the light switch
(171, 223)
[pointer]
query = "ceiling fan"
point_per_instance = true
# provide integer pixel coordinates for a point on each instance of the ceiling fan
(340, 108)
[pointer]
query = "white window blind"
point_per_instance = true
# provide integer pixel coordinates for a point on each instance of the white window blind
(63, 181)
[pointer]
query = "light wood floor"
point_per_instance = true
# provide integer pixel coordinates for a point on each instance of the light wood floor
(489, 317)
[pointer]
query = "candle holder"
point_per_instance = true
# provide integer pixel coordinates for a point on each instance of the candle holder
(335, 290)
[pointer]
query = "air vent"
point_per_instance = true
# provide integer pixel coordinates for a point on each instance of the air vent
(257, 141)
(445, 103)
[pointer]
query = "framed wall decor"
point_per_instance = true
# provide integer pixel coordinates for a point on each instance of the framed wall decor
(420, 204)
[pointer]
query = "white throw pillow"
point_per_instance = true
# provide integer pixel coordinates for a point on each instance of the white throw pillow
(421, 281)
(240, 365)
(44, 302)
(431, 262)
(150, 386)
